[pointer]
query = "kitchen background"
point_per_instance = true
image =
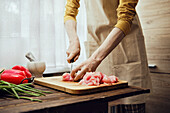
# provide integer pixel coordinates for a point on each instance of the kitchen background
(155, 20)
(37, 26)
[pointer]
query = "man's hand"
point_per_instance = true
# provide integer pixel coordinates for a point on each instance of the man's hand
(89, 65)
(73, 51)
(112, 40)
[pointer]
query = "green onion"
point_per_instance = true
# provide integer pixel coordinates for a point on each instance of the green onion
(31, 99)
(22, 89)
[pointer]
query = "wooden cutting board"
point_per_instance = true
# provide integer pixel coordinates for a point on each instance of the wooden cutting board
(74, 87)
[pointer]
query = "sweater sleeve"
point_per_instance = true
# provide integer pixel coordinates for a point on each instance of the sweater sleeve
(71, 10)
(125, 12)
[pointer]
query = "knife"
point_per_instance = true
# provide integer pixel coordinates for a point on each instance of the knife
(71, 61)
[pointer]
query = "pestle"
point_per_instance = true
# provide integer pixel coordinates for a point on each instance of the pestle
(30, 57)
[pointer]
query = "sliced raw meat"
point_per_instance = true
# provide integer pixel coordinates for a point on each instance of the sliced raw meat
(105, 80)
(93, 79)
(67, 77)
(109, 79)
(113, 79)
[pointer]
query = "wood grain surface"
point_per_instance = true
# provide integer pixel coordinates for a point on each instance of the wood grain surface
(154, 17)
(74, 87)
(61, 102)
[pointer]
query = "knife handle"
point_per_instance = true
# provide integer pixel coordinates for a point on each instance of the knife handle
(72, 60)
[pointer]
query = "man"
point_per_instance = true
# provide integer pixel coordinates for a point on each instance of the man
(115, 44)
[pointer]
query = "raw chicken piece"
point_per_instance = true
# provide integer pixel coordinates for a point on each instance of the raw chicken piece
(67, 77)
(92, 79)
(113, 79)
(105, 79)
(109, 79)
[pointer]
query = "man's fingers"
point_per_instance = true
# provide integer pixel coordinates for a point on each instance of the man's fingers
(75, 70)
(72, 74)
(71, 56)
(76, 58)
(68, 53)
(81, 74)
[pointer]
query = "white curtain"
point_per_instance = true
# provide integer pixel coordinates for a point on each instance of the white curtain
(37, 26)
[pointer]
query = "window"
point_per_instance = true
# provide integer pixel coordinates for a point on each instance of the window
(37, 26)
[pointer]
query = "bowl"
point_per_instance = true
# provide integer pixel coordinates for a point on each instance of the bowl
(36, 68)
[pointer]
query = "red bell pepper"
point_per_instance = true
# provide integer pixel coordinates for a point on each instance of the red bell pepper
(17, 72)
(22, 68)
(13, 76)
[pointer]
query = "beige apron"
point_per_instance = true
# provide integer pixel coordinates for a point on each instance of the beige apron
(128, 60)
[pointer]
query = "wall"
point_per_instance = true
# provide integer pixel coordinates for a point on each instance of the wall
(155, 20)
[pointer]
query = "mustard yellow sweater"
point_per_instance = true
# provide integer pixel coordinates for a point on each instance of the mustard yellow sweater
(125, 13)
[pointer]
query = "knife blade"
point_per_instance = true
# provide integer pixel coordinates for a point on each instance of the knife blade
(71, 61)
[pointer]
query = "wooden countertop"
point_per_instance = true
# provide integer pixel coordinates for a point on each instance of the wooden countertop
(60, 101)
